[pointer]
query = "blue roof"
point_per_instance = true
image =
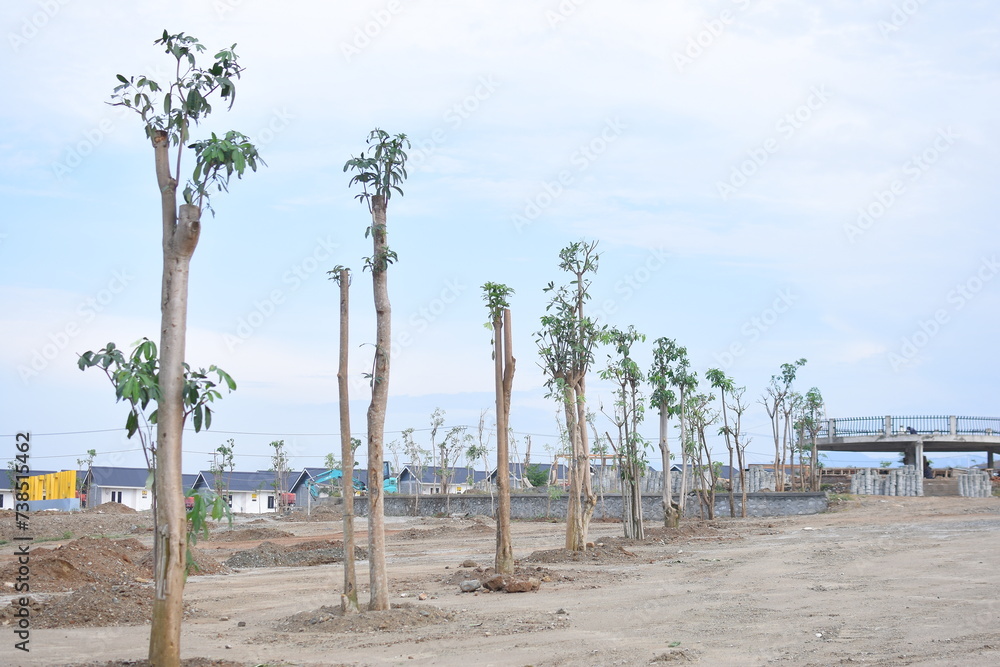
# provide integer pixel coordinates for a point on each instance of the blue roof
(115, 476)
(240, 481)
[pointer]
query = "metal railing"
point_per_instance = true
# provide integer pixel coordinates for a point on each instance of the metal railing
(910, 425)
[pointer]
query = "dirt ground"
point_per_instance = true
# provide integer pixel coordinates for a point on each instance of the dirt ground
(875, 581)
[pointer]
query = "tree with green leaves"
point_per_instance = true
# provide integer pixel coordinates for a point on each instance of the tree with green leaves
(450, 448)
(417, 461)
(629, 410)
(774, 400)
(725, 385)
(136, 379)
(437, 421)
(812, 417)
(738, 408)
(223, 460)
(671, 368)
(566, 343)
(379, 172)
(169, 111)
(706, 472)
(85, 464)
(279, 464)
(497, 297)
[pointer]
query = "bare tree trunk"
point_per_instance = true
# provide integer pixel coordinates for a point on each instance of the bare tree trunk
(378, 580)
(587, 486)
(349, 600)
(575, 534)
(670, 517)
(503, 378)
(180, 237)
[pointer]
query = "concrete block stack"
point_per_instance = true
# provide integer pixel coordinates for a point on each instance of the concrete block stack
(904, 481)
(757, 480)
(975, 484)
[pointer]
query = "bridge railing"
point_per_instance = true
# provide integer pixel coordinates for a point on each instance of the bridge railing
(977, 425)
(909, 425)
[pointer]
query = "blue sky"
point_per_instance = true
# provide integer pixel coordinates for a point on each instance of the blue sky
(767, 181)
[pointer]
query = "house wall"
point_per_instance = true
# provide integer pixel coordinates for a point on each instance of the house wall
(252, 502)
(137, 499)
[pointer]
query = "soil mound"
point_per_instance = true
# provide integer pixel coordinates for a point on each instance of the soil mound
(317, 552)
(111, 508)
(91, 606)
(595, 554)
(248, 535)
(332, 620)
(203, 564)
(87, 560)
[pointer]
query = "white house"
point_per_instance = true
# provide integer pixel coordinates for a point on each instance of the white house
(246, 492)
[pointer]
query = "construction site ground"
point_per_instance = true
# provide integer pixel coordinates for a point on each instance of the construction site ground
(874, 581)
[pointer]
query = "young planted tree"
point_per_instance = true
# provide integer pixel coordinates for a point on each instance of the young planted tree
(706, 473)
(812, 418)
(724, 384)
(379, 172)
(773, 400)
(496, 296)
(279, 464)
(136, 379)
(349, 598)
(449, 449)
(437, 421)
(671, 368)
(630, 453)
(480, 449)
(224, 460)
(566, 344)
(740, 441)
(86, 464)
(168, 112)
(417, 456)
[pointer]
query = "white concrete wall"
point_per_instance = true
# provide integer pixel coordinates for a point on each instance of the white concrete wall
(137, 499)
(252, 502)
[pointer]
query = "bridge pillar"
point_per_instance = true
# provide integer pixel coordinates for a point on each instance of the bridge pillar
(887, 428)
(953, 424)
(989, 458)
(918, 457)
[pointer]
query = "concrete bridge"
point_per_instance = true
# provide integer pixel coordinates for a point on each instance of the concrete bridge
(912, 436)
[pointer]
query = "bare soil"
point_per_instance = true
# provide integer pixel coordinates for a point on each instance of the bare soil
(875, 581)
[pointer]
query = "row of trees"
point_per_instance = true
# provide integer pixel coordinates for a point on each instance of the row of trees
(567, 340)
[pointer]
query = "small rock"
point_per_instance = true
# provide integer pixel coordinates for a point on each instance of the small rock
(422, 596)
(560, 610)
(495, 583)
(241, 624)
(522, 585)
(590, 545)
(228, 646)
(469, 563)
(470, 585)
(224, 618)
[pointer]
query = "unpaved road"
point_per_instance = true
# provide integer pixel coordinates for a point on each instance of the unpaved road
(876, 581)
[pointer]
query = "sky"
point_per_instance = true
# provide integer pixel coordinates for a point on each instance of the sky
(767, 181)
